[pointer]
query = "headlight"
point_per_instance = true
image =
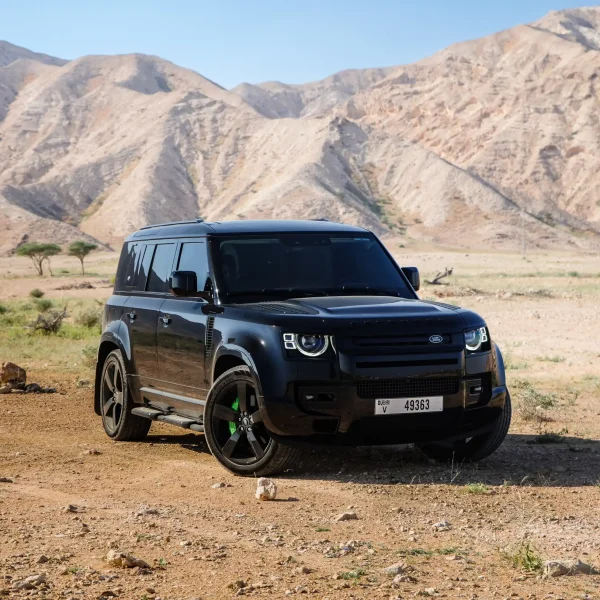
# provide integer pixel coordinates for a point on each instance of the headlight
(475, 339)
(309, 344)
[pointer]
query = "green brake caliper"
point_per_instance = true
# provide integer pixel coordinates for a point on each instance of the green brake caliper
(233, 426)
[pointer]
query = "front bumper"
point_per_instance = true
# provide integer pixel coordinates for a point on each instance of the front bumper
(341, 412)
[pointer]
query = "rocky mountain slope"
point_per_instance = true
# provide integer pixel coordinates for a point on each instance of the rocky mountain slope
(478, 145)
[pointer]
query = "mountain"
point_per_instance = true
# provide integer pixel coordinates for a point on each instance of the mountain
(475, 146)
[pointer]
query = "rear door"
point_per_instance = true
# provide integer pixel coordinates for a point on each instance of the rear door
(181, 335)
(142, 311)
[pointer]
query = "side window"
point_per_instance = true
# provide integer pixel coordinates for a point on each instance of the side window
(192, 257)
(145, 266)
(129, 265)
(161, 268)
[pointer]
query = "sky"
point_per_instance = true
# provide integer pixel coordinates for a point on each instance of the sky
(232, 41)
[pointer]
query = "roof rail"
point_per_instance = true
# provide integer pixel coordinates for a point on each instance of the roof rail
(173, 223)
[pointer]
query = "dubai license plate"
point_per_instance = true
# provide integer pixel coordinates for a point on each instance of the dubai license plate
(394, 406)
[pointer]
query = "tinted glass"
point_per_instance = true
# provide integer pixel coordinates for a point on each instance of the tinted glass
(161, 268)
(192, 257)
(145, 266)
(309, 263)
(129, 265)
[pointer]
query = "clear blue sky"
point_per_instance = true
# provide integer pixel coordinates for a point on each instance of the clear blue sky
(231, 41)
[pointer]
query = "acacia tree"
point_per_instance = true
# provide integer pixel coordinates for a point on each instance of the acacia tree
(81, 249)
(38, 253)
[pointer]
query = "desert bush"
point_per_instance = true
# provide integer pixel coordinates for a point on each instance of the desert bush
(43, 304)
(36, 293)
(3, 309)
(89, 317)
(88, 354)
(526, 558)
(533, 404)
(49, 323)
(477, 488)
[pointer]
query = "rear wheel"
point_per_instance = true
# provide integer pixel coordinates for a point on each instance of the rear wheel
(116, 403)
(472, 449)
(234, 429)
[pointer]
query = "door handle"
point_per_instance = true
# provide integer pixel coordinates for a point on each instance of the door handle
(132, 316)
(165, 320)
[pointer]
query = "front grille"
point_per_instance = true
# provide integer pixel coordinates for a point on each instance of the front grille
(407, 388)
(398, 341)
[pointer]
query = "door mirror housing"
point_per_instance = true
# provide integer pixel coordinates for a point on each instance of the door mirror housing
(412, 274)
(183, 283)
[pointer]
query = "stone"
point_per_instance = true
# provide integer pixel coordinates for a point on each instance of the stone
(42, 559)
(11, 373)
(70, 508)
(266, 489)
(395, 569)
(6, 480)
(217, 486)
(29, 583)
(557, 568)
(442, 526)
(33, 388)
(93, 452)
(114, 558)
(346, 516)
(83, 383)
(403, 578)
(5, 389)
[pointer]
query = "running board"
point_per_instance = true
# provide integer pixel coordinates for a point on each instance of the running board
(157, 415)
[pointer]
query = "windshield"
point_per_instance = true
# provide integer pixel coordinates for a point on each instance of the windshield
(301, 265)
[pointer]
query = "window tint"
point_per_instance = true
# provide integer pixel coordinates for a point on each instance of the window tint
(160, 271)
(145, 266)
(129, 265)
(314, 263)
(193, 258)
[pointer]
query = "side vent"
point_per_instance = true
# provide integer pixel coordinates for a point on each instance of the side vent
(208, 342)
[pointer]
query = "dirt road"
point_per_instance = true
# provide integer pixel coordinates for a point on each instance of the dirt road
(157, 500)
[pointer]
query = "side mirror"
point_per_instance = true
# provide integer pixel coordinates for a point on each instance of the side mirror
(183, 283)
(412, 274)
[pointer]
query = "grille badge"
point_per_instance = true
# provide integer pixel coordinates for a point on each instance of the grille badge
(436, 339)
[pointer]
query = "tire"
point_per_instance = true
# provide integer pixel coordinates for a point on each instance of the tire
(115, 408)
(234, 430)
(472, 449)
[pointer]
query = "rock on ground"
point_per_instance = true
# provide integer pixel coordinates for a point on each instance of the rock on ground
(557, 568)
(266, 489)
(125, 561)
(346, 516)
(11, 373)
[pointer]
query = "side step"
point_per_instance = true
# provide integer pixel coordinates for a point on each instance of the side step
(157, 415)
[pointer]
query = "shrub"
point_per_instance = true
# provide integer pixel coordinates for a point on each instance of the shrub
(477, 488)
(50, 322)
(89, 317)
(526, 558)
(534, 403)
(36, 293)
(3, 309)
(89, 354)
(43, 304)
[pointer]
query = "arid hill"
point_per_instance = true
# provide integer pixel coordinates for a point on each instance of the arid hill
(479, 145)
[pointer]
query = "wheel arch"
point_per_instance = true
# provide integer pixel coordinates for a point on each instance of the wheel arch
(109, 341)
(500, 369)
(229, 356)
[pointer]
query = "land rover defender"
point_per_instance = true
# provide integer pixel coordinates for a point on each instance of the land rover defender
(270, 335)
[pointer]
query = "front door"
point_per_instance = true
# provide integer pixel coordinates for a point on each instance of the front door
(181, 336)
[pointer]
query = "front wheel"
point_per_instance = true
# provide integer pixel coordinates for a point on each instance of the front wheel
(472, 449)
(235, 432)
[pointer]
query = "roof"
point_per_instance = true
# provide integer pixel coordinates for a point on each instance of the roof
(201, 228)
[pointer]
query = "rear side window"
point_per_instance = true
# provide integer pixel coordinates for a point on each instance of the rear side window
(161, 268)
(192, 257)
(129, 265)
(145, 266)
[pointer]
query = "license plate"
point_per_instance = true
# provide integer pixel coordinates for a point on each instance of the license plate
(394, 406)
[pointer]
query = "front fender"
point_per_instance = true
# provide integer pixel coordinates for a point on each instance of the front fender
(236, 351)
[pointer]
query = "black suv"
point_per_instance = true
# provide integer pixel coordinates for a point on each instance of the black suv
(266, 335)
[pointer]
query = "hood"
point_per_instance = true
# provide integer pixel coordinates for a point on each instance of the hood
(371, 311)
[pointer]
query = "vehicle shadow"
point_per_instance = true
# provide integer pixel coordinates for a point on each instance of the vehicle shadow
(522, 459)
(530, 460)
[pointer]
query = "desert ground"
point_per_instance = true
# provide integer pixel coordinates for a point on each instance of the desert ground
(68, 494)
